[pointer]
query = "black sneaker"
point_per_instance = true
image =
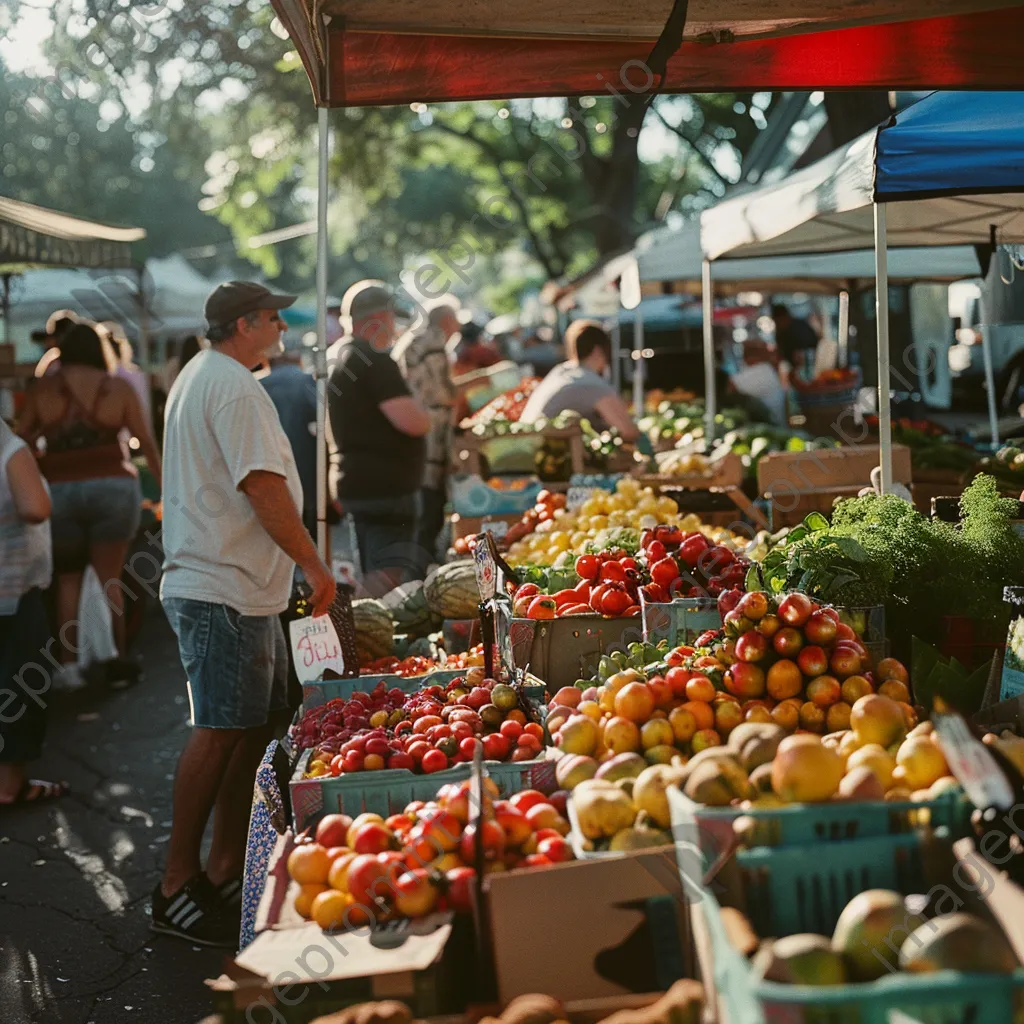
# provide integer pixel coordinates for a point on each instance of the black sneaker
(196, 914)
(230, 894)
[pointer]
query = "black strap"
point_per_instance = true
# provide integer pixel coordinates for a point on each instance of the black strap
(668, 43)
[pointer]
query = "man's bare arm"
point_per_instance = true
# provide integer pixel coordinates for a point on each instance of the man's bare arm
(272, 502)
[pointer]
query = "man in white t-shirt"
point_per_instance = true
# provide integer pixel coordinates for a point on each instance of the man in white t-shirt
(232, 534)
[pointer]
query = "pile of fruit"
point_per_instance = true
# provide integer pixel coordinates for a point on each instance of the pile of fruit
(877, 759)
(623, 805)
(861, 949)
(670, 563)
(797, 659)
(423, 732)
(473, 658)
(555, 535)
(506, 407)
(414, 665)
(413, 863)
(792, 664)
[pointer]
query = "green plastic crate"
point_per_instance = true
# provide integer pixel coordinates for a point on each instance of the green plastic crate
(388, 791)
(803, 824)
(315, 694)
(680, 621)
(805, 889)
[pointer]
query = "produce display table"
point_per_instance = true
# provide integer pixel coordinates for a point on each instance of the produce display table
(469, 451)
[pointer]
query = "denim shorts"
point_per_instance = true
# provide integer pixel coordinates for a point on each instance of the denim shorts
(237, 665)
(104, 510)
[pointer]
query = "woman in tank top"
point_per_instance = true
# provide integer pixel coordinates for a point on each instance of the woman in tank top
(73, 417)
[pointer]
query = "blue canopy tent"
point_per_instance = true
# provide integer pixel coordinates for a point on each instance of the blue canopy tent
(948, 170)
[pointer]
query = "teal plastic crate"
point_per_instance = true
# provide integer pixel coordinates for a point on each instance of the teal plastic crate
(802, 824)
(680, 621)
(805, 889)
(315, 694)
(389, 790)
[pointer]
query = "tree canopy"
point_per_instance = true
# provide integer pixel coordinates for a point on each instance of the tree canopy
(199, 119)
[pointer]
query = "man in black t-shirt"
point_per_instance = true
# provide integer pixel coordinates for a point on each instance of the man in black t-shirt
(379, 430)
(795, 340)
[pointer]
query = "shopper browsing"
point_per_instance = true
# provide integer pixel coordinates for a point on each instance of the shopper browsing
(232, 534)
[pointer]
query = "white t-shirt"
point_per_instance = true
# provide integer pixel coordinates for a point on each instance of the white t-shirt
(220, 426)
(761, 381)
(25, 553)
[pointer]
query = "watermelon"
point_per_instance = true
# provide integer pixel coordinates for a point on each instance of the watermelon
(408, 607)
(451, 591)
(375, 631)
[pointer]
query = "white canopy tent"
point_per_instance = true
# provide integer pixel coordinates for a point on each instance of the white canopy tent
(947, 170)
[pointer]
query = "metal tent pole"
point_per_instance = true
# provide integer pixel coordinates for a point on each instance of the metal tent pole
(882, 329)
(638, 364)
(6, 307)
(707, 296)
(844, 328)
(321, 332)
(990, 383)
(617, 353)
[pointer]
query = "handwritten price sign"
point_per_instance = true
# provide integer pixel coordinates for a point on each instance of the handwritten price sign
(315, 648)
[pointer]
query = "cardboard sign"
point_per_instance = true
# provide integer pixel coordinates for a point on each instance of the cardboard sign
(972, 763)
(486, 571)
(315, 648)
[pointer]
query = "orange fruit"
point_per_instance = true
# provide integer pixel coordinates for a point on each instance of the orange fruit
(784, 679)
(757, 713)
(895, 690)
(703, 713)
(728, 714)
(621, 735)
(890, 668)
(657, 733)
(837, 717)
(812, 717)
(308, 864)
(634, 701)
(373, 762)
(909, 714)
(329, 907)
(533, 729)
(855, 687)
(786, 715)
(306, 895)
(700, 688)
(515, 715)
(591, 709)
(683, 723)
(824, 691)
(706, 738)
(337, 877)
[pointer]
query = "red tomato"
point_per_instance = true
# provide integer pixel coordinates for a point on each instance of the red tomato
(615, 602)
(655, 552)
(527, 798)
(564, 597)
(527, 590)
(433, 761)
(583, 590)
(628, 563)
(665, 572)
(587, 567)
(612, 572)
(691, 550)
(655, 592)
(401, 760)
(536, 860)
(496, 746)
(468, 747)
(541, 608)
(511, 730)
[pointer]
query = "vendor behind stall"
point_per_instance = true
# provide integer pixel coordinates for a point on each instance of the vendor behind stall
(795, 340)
(758, 380)
(579, 384)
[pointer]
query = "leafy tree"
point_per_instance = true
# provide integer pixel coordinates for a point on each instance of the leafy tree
(564, 180)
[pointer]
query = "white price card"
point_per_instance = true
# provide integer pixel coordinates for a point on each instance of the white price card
(315, 648)
(973, 765)
(486, 571)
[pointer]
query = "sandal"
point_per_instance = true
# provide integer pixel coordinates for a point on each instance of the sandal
(35, 791)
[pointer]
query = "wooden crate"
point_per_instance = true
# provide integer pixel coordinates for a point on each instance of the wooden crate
(797, 483)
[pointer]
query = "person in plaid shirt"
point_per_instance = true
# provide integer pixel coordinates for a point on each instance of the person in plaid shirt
(423, 359)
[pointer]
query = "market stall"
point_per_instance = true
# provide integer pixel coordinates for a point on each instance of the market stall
(947, 170)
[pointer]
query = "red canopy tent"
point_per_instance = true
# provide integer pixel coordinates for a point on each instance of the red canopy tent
(375, 52)
(380, 52)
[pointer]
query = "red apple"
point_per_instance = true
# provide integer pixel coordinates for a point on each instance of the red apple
(813, 661)
(820, 629)
(751, 646)
(795, 609)
(753, 605)
(333, 829)
(788, 642)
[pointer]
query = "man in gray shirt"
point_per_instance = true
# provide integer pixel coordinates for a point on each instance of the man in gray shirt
(579, 384)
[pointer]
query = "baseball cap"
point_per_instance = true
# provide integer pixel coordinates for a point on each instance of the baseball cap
(367, 297)
(228, 301)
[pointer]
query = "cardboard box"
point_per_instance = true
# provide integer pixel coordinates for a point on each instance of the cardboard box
(797, 483)
(591, 928)
(560, 651)
(498, 524)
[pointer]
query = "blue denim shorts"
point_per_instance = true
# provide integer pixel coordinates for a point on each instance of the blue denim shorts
(104, 510)
(237, 665)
